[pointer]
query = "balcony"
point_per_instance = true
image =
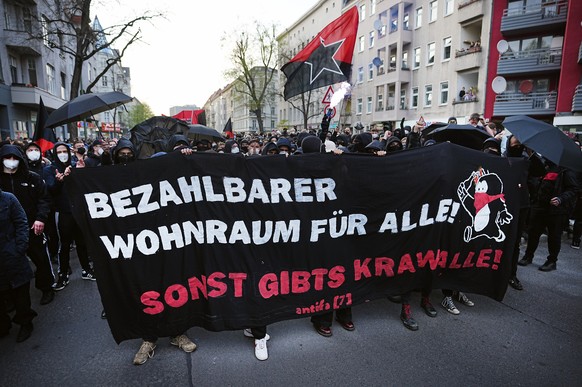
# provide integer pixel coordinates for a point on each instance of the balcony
(533, 104)
(577, 100)
(30, 96)
(468, 59)
(536, 17)
(470, 9)
(21, 43)
(466, 108)
(531, 61)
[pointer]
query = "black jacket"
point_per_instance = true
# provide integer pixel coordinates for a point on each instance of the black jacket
(15, 270)
(28, 187)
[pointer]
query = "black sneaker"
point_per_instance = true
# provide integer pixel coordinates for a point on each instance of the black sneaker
(514, 283)
(548, 266)
(88, 275)
(524, 261)
(62, 282)
(47, 297)
(406, 317)
(575, 245)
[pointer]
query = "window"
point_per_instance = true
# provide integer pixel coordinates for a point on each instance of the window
(402, 99)
(50, 79)
(359, 106)
(63, 86)
(405, 60)
(444, 99)
(104, 80)
(369, 105)
(360, 74)
(416, 58)
(431, 51)
(370, 71)
(447, 48)
(433, 9)
(418, 18)
(27, 19)
(449, 6)
(428, 95)
(45, 31)
(380, 98)
(32, 72)
(13, 69)
(406, 22)
(362, 43)
(371, 41)
(273, 124)
(372, 7)
(414, 101)
(362, 12)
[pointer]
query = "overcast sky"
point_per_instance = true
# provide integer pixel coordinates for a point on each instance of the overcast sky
(182, 60)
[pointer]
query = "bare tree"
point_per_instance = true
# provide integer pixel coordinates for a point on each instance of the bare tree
(254, 57)
(67, 27)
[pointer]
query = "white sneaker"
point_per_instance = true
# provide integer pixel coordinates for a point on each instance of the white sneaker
(261, 351)
(449, 305)
(249, 333)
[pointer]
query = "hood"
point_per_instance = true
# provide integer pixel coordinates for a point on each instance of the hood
(56, 160)
(13, 150)
(177, 139)
(228, 146)
(284, 142)
(269, 146)
(311, 144)
(374, 145)
(393, 140)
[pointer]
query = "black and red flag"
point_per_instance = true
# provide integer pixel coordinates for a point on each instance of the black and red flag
(43, 136)
(326, 60)
(228, 129)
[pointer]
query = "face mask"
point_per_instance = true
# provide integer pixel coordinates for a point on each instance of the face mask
(283, 153)
(11, 164)
(244, 149)
(33, 155)
(235, 150)
(99, 151)
(63, 157)
(124, 159)
(515, 151)
(375, 136)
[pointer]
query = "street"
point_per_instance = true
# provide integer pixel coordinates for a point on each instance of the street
(532, 338)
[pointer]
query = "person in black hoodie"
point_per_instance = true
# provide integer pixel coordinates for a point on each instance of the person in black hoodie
(34, 158)
(69, 231)
(94, 154)
(30, 190)
(15, 272)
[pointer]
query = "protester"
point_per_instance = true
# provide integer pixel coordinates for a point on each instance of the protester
(15, 272)
(553, 201)
(69, 231)
(30, 190)
(93, 158)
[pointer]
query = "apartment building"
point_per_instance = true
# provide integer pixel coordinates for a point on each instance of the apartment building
(230, 102)
(535, 64)
(32, 68)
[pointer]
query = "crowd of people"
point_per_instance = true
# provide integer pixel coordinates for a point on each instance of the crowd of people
(36, 222)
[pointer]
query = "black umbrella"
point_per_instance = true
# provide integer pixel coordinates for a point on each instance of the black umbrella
(198, 132)
(152, 135)
(466, 135)
(85, 106)
(546, 140)
(435, 125)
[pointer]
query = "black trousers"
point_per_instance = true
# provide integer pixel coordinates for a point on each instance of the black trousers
(50, 230)
(539, 219)
(259, 332)
(44, 277)
(20, 296)
(325, 319)
(70, 231)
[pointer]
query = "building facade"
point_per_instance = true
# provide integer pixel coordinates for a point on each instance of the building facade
(535, 63)
(34, 67)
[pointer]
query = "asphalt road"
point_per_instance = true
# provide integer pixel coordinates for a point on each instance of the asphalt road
(532, 338)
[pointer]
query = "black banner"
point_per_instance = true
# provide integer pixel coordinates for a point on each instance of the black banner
(227, 242)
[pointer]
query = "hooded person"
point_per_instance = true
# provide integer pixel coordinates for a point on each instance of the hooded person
(231, 146)
(124, 152)
(311, 144)
(177, 142)
(30, 190)
(393, 144)
(359, 142)
(492, 146)
(284, 146)
(270, 148)
(69, 231)
(94, 154)
(204, 146)
(374, 147)
(34, 158)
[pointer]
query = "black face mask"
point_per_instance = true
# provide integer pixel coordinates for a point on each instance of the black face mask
(244, 148)
(124, 159)
(515, 151)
